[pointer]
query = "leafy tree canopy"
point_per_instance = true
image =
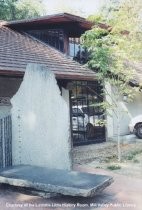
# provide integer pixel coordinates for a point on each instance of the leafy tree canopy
(110, 47)
(19, 9)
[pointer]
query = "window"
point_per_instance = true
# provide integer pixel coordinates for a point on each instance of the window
(53, 37)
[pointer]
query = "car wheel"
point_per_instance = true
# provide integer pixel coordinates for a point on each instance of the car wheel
(139, 130)
(89, 131)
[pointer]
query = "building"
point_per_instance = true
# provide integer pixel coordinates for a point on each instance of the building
(54, 41)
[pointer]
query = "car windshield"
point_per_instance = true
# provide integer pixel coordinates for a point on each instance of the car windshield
(91, 110)
(76, 110)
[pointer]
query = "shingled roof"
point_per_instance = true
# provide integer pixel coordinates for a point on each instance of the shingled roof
(17, 50)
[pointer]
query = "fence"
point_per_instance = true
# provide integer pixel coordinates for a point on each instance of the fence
(5, 142)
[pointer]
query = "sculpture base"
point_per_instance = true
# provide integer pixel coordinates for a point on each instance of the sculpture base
(55, 181)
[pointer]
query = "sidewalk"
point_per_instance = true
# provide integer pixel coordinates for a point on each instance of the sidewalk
(124, 193)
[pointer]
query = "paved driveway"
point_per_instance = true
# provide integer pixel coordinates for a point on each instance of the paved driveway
(124, 193)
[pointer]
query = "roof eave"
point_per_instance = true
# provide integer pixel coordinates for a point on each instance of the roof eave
(9, 73)
(52, 19)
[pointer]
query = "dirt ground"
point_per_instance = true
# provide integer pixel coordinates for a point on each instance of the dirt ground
(105, 156)
(125, 193)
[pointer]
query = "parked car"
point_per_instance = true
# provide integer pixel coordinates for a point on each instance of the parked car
(79, 119)
(135, 126)
(82, 117)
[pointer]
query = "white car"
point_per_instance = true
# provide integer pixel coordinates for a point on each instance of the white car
(80, 118)
(135, 126)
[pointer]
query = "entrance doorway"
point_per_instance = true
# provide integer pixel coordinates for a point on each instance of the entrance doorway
(88, 117)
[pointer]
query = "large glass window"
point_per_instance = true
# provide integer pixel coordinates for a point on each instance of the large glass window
(76, 51)
(52, 37)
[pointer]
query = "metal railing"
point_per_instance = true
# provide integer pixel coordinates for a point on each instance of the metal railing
(5, 142)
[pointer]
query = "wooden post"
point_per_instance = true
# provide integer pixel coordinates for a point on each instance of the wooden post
(66, 44)
(1, 143)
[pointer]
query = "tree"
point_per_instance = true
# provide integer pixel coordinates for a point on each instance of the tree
(19, 9)
(111, 47)
(105, 11)
(30, 8)
(7, 9)
(110, 7)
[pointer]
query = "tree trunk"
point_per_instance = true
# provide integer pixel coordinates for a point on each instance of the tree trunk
(118, 134)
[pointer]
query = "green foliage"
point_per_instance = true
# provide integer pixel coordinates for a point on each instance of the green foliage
(30, 8)
(128, 17)
(107, 59)
(113, 45)
(110, 48)
(8, 9)
(131, 155)
(128, 21)
(136, 161)
(114, 167)
(19, 9)
(96, 18)
(109, 8)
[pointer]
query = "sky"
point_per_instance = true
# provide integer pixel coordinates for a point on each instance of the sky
(81, 7)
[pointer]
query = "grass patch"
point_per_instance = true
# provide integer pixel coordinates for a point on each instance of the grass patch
(98, 167)
(136, 161)
(110, 159)
(132, 154)
(113, 167)
(130, 157)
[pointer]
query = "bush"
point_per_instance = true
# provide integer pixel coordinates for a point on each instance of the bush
(113, 167)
